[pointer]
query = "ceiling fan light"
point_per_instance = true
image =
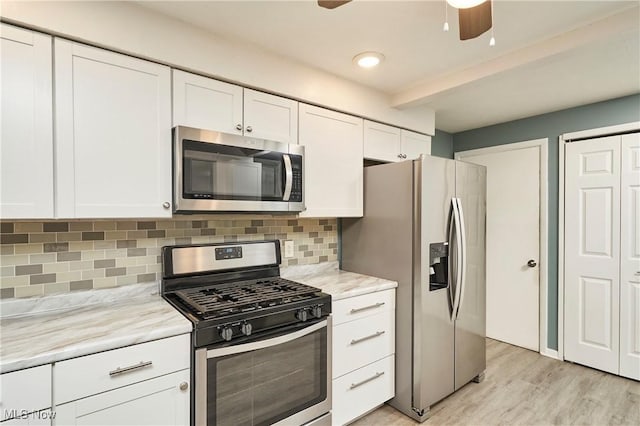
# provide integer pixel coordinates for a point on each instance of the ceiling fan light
(465, 4)
(368, 59)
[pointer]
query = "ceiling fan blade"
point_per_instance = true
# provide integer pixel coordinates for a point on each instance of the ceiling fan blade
(332, 4)
(474, 20)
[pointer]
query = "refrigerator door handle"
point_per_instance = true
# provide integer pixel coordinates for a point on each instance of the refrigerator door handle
(450, 280)
(458, 280)
(463, 259)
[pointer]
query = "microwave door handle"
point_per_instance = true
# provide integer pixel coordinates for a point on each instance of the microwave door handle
(288, 171)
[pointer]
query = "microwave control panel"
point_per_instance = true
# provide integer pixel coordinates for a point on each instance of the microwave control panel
(296, 186)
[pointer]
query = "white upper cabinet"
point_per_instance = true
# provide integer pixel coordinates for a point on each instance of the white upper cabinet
(26, 124)
(210, 104)
(205, 103)
(333, 177)
(388, 143)
(113, 134)
(270, 117)
(413, 144)
(381, 142)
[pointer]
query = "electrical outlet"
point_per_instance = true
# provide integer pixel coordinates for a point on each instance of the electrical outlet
(288, 248)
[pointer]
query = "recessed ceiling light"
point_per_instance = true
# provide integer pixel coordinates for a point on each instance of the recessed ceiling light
(368, 59)
(465, 4)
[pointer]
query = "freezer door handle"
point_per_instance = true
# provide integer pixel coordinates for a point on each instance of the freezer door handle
(457, 267)
(450, 275)
(463, 259)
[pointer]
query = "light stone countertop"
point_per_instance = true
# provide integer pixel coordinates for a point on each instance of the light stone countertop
(338, 283)
(47, 329)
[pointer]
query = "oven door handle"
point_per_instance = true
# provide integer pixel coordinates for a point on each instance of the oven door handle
(288, 172)
(261, 344)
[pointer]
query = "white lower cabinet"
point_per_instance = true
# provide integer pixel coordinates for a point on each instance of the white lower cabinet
(363, 389)
(159, 401)
(144, 384)
(25, 396)
(363, 354)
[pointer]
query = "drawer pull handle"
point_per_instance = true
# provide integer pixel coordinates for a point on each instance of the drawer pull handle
(362, 339)
(123, 370)
(377, 305)
(355, 385)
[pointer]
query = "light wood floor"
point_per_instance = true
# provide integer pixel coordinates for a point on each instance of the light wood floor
(525, 388)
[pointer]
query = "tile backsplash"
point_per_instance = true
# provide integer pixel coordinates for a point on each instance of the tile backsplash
(38, 258)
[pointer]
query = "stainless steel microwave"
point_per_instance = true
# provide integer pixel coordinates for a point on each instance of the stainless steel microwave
(220, 172)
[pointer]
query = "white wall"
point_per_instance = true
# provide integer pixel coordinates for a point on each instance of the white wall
(132, 29)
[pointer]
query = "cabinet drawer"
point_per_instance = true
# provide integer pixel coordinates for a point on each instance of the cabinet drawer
(361, 342)
(363, 306)
(25, 391)
(163, 401)
(91, 374)
(362, 390)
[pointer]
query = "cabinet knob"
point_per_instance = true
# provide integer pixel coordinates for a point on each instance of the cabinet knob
(184, 386)
(249, 129)
(166, 204)
(399, 155)
(238, 126)
(404, 155)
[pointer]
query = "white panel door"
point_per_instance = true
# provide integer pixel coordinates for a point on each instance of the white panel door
(381, 142)
(26, 124)
(333, 176)
(630, 258)
(413, 144)
(592, 252)
(205, 103)
(512, 239)
(270, 117)
(163, 401)
(113, 134)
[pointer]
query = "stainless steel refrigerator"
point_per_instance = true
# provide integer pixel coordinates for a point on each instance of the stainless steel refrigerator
(424, 227)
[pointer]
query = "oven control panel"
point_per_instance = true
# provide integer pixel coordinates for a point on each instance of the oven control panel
(223, 253)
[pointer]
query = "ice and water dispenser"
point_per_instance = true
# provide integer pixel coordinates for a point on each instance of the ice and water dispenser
(438, 265)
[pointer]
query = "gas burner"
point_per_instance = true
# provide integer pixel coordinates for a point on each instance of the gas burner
(216, 300)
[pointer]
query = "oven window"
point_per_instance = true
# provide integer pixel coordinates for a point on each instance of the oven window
(223, 172)
(267, 385)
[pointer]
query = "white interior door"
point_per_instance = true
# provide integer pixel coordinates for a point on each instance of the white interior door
(592, 244)
(630, 258)
(513, 238)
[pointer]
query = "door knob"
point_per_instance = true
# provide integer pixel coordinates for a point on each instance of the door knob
(531, 263)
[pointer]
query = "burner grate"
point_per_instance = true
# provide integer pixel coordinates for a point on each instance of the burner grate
(244, 296)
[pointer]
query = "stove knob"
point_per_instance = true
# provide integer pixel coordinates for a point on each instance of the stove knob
(302, 315)
(246, 329)
(226, 333)
(316, 311)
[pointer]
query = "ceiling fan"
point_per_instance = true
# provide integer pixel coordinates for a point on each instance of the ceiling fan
(474, 16)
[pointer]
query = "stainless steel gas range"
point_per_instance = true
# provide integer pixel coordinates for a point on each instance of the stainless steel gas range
(261, 344)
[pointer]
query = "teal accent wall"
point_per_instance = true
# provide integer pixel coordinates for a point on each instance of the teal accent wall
(551, 126)
(442, 144)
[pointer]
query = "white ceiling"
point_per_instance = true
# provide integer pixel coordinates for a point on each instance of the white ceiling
(549, 55)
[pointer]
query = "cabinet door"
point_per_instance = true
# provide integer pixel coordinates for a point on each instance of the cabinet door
(381, 142)
(26, 124)
(163, 400)
(592, 253)
(630, 258)
(113, 134)
(413, 144)
(270, 117)
(333, 177)
(205, 103)
(26, 391)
